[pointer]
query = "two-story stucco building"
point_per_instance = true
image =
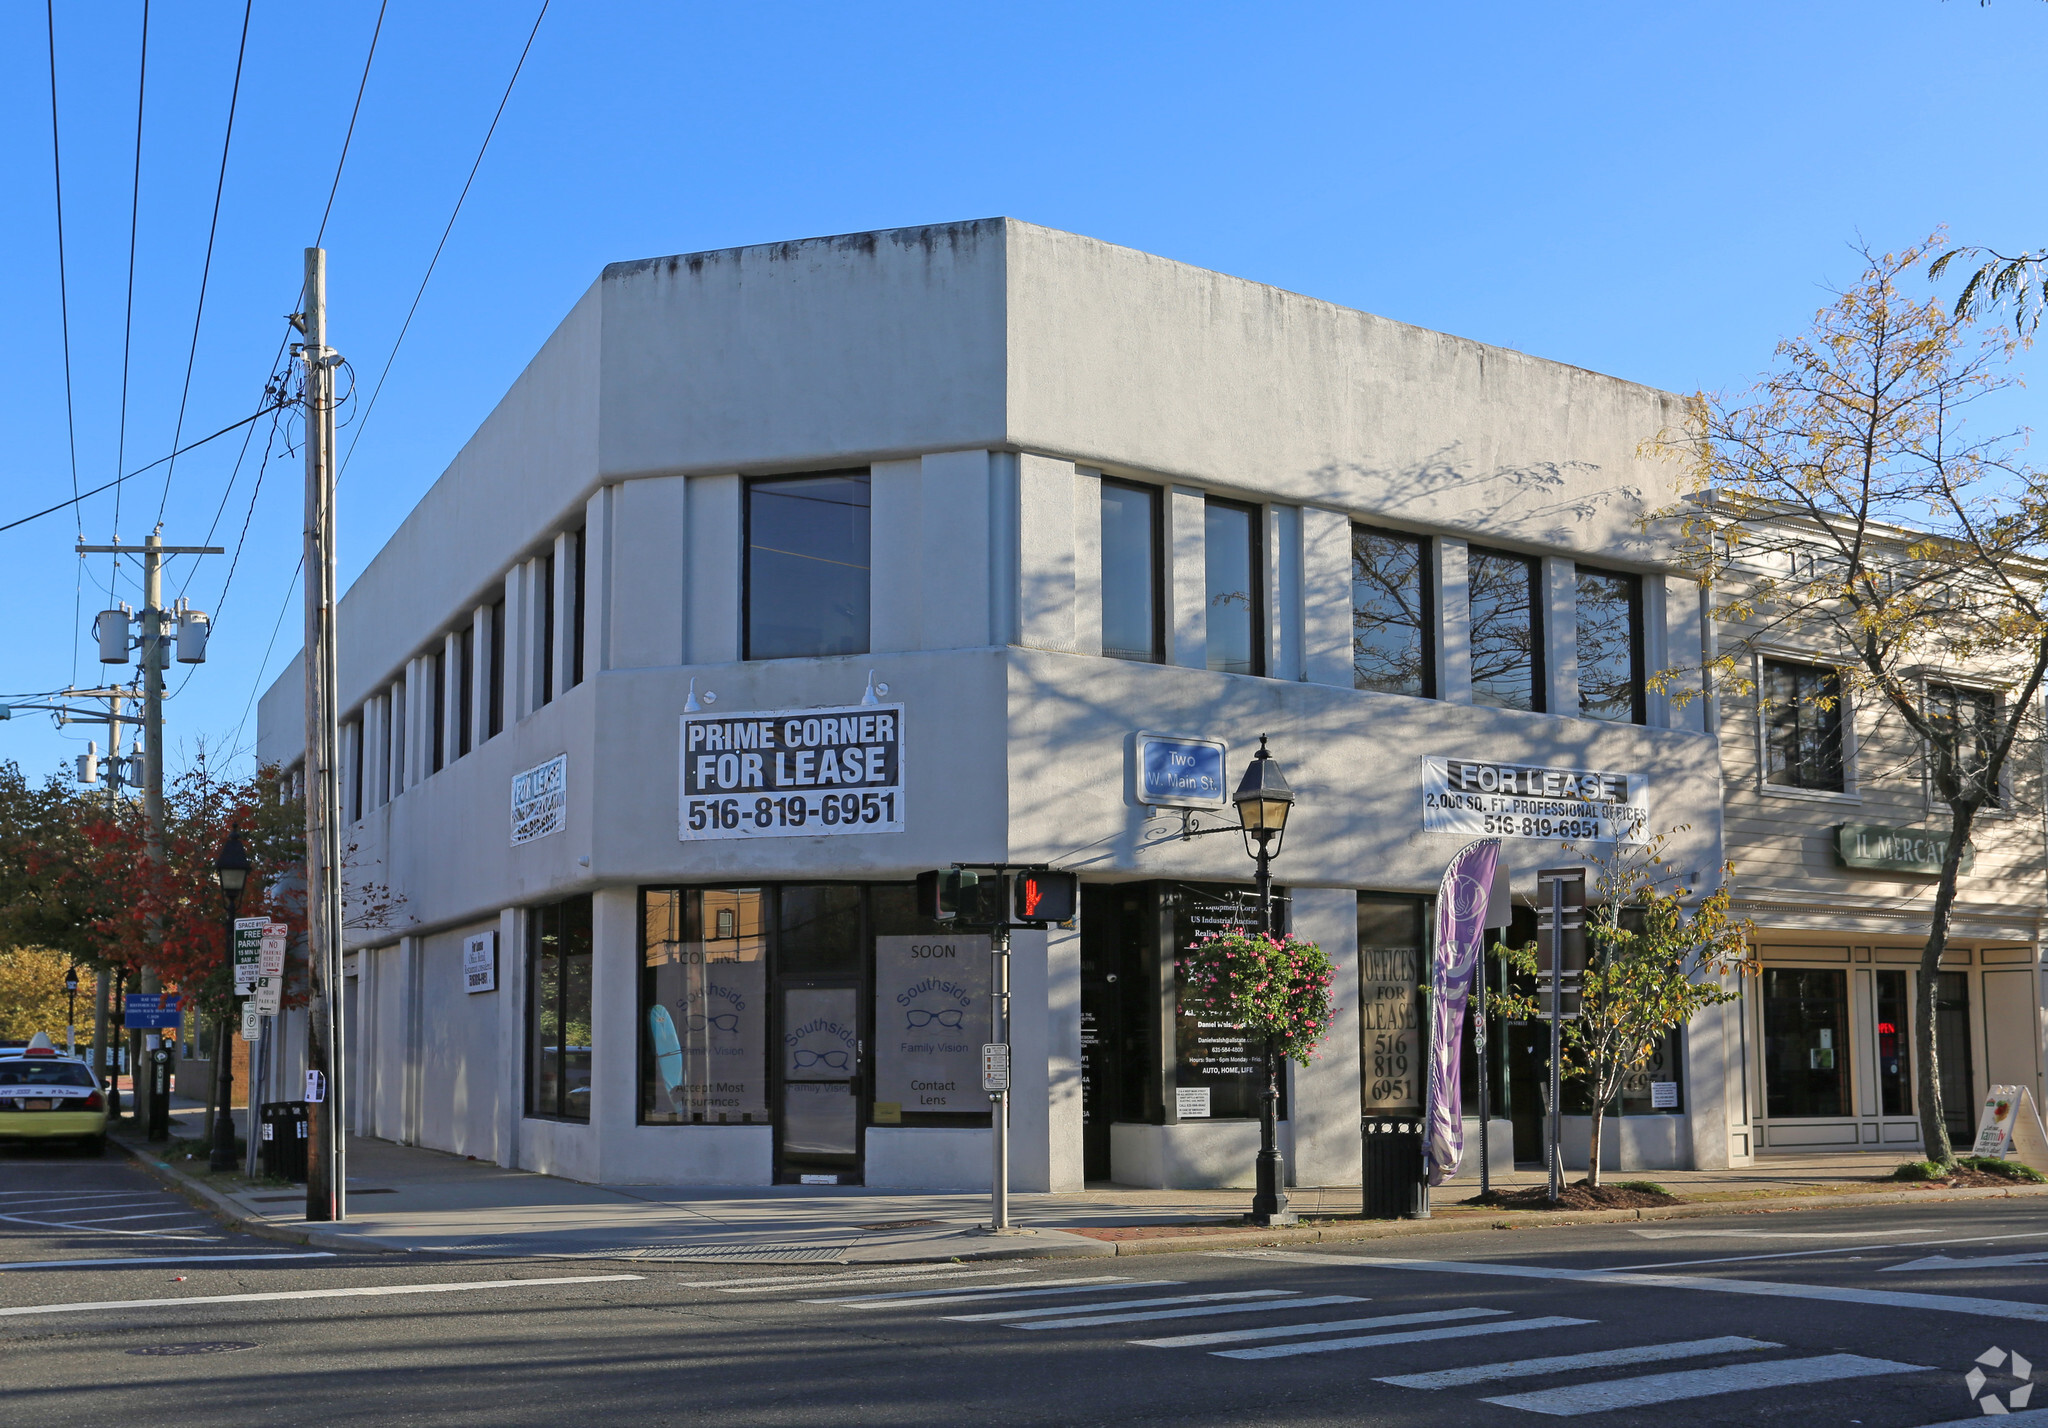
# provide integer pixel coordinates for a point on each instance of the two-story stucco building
(784, 573)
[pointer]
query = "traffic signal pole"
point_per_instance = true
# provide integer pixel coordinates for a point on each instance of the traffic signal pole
(999, 1100)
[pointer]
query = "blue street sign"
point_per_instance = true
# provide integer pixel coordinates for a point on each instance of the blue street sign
(154, 1011)
(1181, 773)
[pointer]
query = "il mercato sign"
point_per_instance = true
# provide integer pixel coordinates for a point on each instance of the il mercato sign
(1895, 850)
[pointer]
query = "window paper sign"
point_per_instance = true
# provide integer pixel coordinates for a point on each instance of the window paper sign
(540, 800)
(480, 962)
(932, 1014)
(792, 772)
(248, 952)
(1481, 798)
(1191, 1103)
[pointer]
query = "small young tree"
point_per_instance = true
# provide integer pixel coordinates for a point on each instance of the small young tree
(1843, 502)
(1651, 966)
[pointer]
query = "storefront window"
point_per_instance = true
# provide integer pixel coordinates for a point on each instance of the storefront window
(1653, 1088)
(704, 1000)
(1219, 1067)
(558, 1010)
(1390, 1036)
(1952, 1036)
(1806, 1042)
(1894, 1055)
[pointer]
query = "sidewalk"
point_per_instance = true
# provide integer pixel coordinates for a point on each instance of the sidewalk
(403, 1198)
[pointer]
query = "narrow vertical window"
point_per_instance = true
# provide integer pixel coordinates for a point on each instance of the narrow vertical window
(1236, 607)
(1894, 1054)
(558, 1010)
(578, 618)
(808, 544)
(1610, 644)
(398, 716)
(1802, 726)
(1506, 634)
(495, 724)
(439, 740)
(1392, 644)
(355, 768)
(1965, 723)
(465, 688)
(546, 581)
(1130, 572)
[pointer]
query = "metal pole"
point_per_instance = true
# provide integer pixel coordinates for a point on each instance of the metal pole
(1485, 1072)
(1269, 1200)
(223, 1152)
(327, 1143)
(1556, 1038)
(152, 791)
(999, 1101)
(259, 1068)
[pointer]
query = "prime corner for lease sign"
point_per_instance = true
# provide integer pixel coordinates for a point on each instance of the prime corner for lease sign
(1490, 798)
(792, 772)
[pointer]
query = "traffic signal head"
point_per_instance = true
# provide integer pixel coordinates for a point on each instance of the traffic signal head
(969, 895)
(1045, 896)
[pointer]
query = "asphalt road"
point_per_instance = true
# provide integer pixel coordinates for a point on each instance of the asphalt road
(1804, 1318)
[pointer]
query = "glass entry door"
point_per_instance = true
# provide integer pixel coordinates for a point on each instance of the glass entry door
(818, 1129)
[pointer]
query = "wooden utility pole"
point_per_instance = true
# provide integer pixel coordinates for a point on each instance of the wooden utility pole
(327, 1139)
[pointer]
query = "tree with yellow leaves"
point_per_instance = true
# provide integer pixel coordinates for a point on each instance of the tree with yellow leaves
(32, 996)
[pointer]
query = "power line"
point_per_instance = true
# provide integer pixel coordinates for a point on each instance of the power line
(349, 137)
(206, 268)
(406, 326)
(115, 483)
(134, 219)
(64, 317)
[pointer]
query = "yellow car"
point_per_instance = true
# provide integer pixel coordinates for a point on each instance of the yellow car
(46, 1095)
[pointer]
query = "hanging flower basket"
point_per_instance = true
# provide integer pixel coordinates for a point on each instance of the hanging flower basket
(1278, 988)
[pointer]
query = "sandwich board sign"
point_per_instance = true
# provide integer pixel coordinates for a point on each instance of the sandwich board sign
(2009, 1128)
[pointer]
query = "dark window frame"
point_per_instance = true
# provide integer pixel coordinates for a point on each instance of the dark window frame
(547, 628)
(465, 689)
(576, 612)
(355, 775)
(439, 743)
(1426, 612)
(536, 918)
(1987, 726)
(1255, 535)
(1639, 690)
(495, 723)
(1157, 496)
(1539, 671)
(865, 473)
(1834, 725)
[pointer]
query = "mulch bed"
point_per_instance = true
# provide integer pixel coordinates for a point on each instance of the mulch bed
(1965, 1180)
(1579, 1196)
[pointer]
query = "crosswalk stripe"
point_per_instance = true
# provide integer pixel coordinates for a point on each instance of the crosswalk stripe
(105, 1261)
(117, 1219)
(857, 1276)
(951, 1296)
(1419, 1336)
(1560, 1363)
(1088, 1320)
(1699, 1383)
(67, 1209)
(1297, 1331)
(2029, 1418)
(1012, 1314)
(374, 1289)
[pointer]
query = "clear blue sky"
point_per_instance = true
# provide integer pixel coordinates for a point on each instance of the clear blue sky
(1657, 191)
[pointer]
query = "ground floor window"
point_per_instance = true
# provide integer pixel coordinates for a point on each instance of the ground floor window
(558, 1010)
(1894, 1043)
(704, 996)
(1806, 1042)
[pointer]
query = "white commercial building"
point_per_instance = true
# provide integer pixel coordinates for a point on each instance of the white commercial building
(784, 573)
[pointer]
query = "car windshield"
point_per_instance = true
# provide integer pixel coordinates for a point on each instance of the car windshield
(44, 1073)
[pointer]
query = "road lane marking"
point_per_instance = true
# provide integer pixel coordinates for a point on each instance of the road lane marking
(1699, 1383)
(1835, 1250)
(1418, 1336)
(1083, 1321)
(377, 1289)
(116, 1219)
(1767, 1234)
(1334, 1326)
(12, 1195)
(163, 1259)
(1009, 1315)
(1987, 1261)
(2036, 1417)
(1760, 1288)
(70, 1208)
(1561, 1363)
(951, 1296)
(859, 1276)
(163, 1233)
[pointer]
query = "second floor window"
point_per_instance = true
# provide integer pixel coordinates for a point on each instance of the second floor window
(1506, 634)
(1802, 719)
(1390, 614)
(1235, 614)
(1965, 722)
(1610, 640)
(807, 565)
(1130, 572)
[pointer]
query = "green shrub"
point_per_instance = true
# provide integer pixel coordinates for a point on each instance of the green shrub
(2010, 1169)
(1921, 1170)
(1643, 1187)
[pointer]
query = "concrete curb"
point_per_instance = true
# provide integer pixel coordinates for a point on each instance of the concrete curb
(206, 1198)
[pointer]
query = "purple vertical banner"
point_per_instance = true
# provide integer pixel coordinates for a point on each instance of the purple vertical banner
(1461, 902)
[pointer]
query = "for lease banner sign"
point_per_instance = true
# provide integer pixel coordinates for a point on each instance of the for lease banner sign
(1493, 798)
(792, 772)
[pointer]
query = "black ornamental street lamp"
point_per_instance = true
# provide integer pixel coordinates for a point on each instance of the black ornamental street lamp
(231, 871)
(1263, 802)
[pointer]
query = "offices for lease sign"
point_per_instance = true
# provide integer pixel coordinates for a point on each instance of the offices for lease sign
(1489, 798)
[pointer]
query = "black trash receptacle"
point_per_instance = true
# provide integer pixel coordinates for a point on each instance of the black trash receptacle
(1396, 1187)
(283, 1148)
